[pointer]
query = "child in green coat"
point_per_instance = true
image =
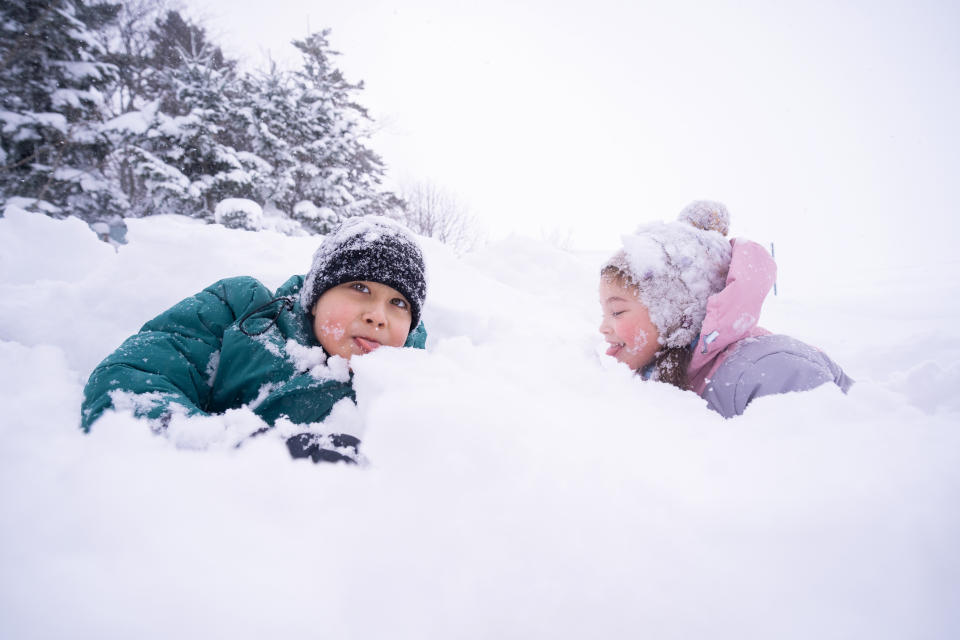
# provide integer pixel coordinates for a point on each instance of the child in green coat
(282, 355)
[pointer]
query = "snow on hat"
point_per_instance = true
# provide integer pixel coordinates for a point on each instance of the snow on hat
(676, 266)
(369, 248)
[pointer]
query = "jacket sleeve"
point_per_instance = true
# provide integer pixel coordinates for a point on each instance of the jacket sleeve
(304, 400)
(765, 366)
(170, 364)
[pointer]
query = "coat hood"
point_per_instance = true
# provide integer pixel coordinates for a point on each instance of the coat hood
(733, 313)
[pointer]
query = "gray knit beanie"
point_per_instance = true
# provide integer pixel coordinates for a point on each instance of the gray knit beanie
(676, 267)
(369, 248)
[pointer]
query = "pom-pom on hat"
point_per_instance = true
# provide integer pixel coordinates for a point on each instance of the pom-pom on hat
(676, 267)
(369, 248)
(706, 215)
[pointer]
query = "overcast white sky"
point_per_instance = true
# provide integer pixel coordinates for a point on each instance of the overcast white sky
(824, 126)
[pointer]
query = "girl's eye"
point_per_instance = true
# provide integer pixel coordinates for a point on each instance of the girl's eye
(359, 286)
(617, 313)
(400, 302)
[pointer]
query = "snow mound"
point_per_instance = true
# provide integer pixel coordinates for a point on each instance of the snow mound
(239, 213)
(519, 485)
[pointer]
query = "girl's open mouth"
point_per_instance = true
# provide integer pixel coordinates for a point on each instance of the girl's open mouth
(614, 349)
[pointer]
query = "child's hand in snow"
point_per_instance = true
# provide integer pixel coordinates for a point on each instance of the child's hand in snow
(338, 447)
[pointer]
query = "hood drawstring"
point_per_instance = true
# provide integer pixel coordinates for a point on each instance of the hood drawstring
(288, 304)
(710, 338)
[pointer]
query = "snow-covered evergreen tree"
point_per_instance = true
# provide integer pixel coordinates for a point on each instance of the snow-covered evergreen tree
(130, 42)
(52, 78)
(183, 147)
(333, 175)
(269, 115)
(100, 115)
(174, 144)
(309, 128)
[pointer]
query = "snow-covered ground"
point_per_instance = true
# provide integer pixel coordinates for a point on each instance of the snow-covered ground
(520, 485)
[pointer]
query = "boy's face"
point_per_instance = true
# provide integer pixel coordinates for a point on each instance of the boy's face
(357, 317)
(626, 324)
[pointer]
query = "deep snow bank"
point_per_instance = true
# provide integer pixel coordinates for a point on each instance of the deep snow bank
(519, 486)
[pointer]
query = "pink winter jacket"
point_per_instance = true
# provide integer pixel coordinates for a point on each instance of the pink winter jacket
(734, 360)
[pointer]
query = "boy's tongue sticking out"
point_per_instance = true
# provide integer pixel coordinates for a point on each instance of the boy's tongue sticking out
(366, 345)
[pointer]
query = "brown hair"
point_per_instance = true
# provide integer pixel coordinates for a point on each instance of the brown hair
(669, 365)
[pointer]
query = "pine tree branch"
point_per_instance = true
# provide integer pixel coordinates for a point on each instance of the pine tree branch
(29, 158)
(31, 31)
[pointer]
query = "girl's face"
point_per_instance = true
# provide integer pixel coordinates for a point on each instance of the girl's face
(354, 318)
(626, 324)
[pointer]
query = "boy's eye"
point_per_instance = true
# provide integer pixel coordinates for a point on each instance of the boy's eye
(400, 302)
(359, 286)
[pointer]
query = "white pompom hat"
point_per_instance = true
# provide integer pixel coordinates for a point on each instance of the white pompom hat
(676, 267)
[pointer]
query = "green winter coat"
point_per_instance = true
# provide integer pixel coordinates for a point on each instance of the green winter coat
(195, 355)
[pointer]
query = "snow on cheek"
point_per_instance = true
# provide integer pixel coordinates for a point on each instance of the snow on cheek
(638, 342)
(331, 330)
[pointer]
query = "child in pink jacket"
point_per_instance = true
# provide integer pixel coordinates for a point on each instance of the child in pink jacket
(681, 304)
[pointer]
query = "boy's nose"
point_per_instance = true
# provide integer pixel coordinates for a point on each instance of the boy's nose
(375, 316)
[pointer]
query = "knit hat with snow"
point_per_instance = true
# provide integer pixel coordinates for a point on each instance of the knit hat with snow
(369, 248)
(676, 266)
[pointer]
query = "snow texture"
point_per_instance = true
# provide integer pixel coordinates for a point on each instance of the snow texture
(314, 361)
(518, 486)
